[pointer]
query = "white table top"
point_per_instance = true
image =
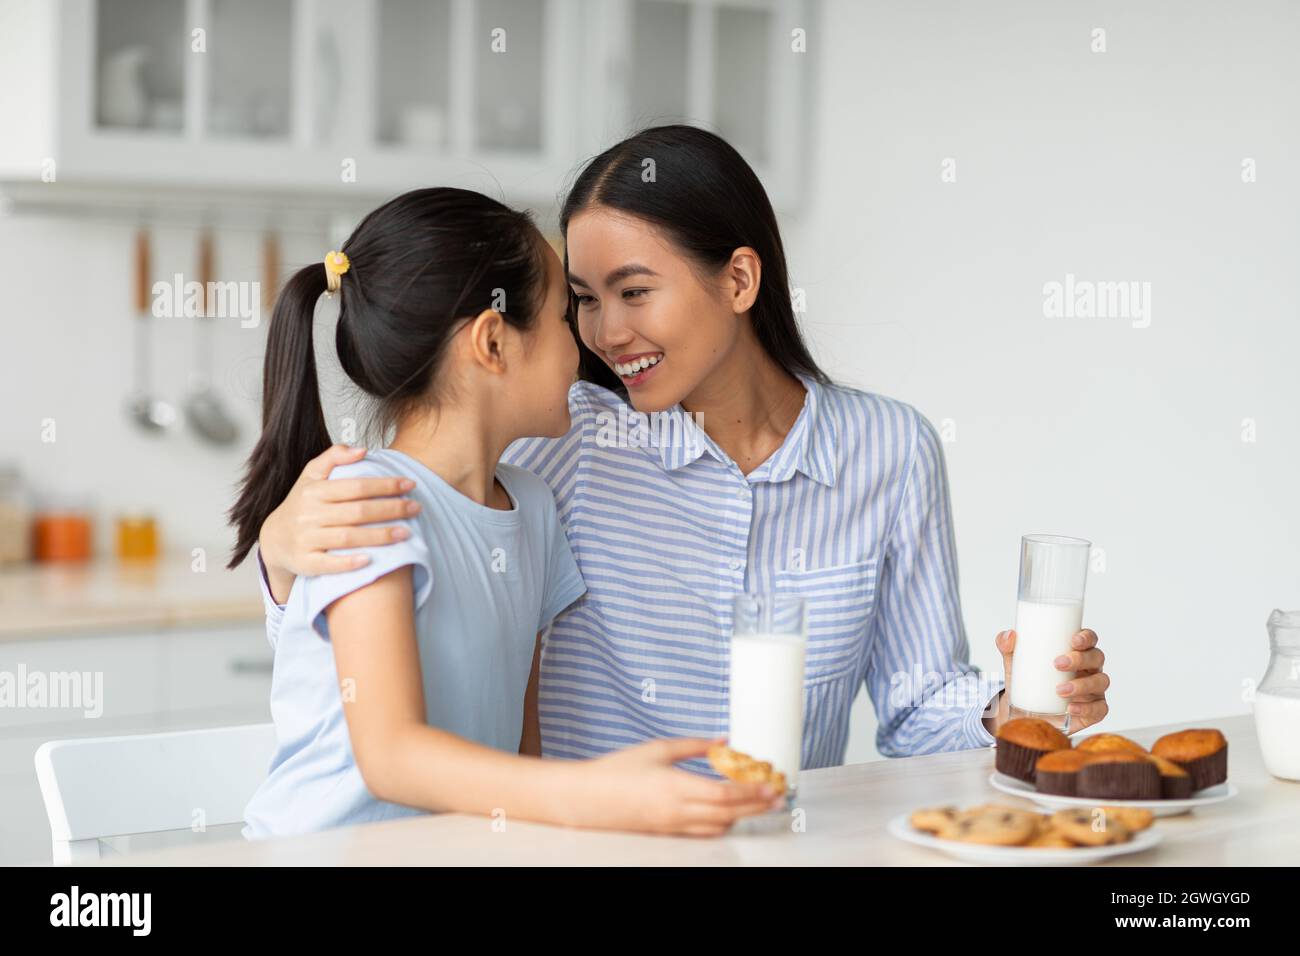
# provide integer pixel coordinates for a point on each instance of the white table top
(846, 809)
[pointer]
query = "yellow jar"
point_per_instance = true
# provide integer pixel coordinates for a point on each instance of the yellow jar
(137, 538)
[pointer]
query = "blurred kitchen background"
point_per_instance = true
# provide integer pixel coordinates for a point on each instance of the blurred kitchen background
(934, 165)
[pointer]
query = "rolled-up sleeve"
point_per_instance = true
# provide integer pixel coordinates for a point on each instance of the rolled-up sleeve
(927, 696)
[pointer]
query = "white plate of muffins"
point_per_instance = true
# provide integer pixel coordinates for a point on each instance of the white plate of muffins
(1003, 835)
(1182, 770)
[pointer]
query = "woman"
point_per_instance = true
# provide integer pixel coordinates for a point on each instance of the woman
(775, 480)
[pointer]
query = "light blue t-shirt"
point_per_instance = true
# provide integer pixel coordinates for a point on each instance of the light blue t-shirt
(486, 582)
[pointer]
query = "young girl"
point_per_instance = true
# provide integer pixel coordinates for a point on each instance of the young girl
(409, 684)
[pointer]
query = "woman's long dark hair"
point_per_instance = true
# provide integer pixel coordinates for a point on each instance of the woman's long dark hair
(417, 264)
(709, 202)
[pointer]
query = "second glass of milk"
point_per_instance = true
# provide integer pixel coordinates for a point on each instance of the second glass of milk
(1049, 611)
(768, 647)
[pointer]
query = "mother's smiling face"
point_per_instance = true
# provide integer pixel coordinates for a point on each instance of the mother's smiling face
(661, 321)
(675, 255)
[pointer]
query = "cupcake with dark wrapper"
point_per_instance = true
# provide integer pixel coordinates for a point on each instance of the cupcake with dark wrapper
(1202, 752)
(1058, 772)
(1109, 743)
(1175, 782)
(1117, 775)
(1022, 741)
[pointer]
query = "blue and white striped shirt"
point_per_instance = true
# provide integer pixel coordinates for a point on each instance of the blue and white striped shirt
(851, 512)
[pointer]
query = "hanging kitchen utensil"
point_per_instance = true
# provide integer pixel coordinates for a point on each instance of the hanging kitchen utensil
(204, 409)
(270, 271)
(150, 413)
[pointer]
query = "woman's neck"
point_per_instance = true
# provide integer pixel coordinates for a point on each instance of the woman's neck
(747, 405)
(456, 445)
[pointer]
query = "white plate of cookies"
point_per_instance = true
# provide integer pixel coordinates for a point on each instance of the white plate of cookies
(1003, 835)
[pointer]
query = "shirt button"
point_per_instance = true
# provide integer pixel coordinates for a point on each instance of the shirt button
(736, 565)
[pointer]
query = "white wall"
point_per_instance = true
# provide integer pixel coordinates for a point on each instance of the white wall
(1123, 165)
(1116, 166)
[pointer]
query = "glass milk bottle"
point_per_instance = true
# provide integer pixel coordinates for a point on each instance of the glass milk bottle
(1277, 699)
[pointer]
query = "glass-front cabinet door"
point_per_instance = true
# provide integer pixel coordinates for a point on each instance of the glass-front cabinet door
(414, 77)
(249, 72)
(140, 70)
(734, 66)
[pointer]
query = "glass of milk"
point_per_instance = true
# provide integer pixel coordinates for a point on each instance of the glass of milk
(1277, 699)
(1049, 611)
(768, 643)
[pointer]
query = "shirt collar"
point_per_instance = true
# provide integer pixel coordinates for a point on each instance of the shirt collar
(686, 442)
(808, 447)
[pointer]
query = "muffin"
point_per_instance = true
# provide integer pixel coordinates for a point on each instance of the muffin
(1022, 741)
(1110, 743)
(1175, 782)
(1058, 772)
(1202, 752)
(1118, 775)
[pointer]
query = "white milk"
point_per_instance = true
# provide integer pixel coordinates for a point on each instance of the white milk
(1043, 632)
(766, 712)
(1277, 721)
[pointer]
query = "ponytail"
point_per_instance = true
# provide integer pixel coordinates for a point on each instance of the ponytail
(293, 422)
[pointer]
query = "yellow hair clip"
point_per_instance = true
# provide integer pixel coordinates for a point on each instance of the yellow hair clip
(336, 263)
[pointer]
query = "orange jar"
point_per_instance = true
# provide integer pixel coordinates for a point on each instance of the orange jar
(137, 538)
(61, 536)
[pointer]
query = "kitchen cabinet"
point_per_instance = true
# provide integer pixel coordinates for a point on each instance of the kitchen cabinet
(146, 681)
(111, 677)
(351, 100)
(317, 97)
(138, 674)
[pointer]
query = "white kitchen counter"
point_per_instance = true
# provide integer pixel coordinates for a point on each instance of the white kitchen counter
(104, 596)
(846, 812)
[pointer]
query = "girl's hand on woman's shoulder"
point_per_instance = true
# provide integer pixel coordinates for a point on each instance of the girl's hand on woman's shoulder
(320, 514)
(638, 788)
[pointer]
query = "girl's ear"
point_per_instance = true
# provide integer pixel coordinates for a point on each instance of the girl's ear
(487, 340)
(744, 272)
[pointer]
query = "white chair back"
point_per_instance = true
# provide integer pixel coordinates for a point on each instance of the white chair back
(101, 787)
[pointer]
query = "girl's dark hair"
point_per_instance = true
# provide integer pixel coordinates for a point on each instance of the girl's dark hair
(417, 264)
(709, 202)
